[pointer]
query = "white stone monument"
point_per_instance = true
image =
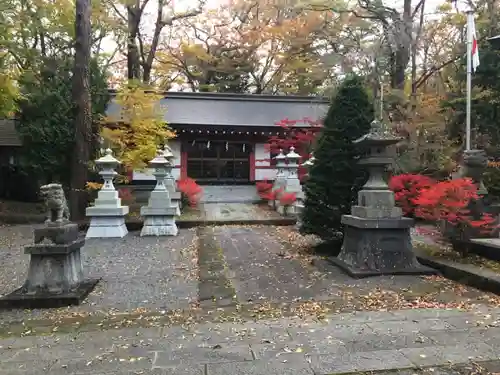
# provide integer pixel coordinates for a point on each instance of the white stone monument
(170, 184)
(159, 214)
(107, 216)
(292, 182)
(279, 181)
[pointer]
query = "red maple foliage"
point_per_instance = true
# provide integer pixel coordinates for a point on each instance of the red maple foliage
(450, 201)
(287, 199)
(300, 134)
(407, 188)
(263, 188)
(190, 191)
(272, 195)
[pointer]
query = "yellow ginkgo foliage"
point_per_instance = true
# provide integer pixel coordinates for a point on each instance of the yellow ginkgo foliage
(138, 127)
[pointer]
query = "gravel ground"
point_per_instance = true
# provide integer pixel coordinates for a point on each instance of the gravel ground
(270, 269)
(167, 280)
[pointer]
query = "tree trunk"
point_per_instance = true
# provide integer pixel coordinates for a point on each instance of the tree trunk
(133, 62)
(83, 113)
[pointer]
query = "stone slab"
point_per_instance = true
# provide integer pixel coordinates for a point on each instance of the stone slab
(162, 211)
(218, 353)
(363, 361)
(290, 365)
(360, 222)
(61, 234)
(20, 300)
(55, 249)
(435, 355)
(107, 211)
(359, 274)
(107, 227)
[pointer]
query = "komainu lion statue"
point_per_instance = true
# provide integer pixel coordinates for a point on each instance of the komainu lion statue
(55, 202)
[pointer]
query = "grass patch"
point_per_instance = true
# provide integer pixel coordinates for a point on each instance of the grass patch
(447, 253)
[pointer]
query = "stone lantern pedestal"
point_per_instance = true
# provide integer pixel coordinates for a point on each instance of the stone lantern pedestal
(292, 182)
(170, 184)
(55, 275)
(159, 214)
(107, 216)
(377, 238)
(279, 181)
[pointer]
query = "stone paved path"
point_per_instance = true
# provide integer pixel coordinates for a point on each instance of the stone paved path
(229, 194)
(367, 341)
(237, 211)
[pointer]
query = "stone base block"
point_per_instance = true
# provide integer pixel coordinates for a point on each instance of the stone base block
(159, 226)
(54, 272)
(177, 206)
(20, 300)
(374, 247)
(289, 211)
(107, 227)
(59, 234)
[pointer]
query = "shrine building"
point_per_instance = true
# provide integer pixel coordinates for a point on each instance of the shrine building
(221, 137)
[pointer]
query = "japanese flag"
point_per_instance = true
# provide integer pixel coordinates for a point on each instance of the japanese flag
(474, 49)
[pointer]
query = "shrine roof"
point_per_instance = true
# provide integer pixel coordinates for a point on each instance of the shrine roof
(227, 109)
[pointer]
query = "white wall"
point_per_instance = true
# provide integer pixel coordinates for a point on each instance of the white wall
(261, 153)
(146, 175)
(265, 173)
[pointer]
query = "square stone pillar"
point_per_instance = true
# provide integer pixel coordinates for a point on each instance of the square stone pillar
(171, 186)
(107, 216)
(159, 214)
(281, 174)
(292, 182)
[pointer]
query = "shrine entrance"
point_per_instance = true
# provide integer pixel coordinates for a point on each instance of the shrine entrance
(218, 161)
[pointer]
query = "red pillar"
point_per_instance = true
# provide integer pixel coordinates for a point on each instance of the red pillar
(184, 164)
(252, 165)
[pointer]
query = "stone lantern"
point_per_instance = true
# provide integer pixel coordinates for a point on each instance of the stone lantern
(280, 179)
(170, 184)
(107, 216)
(376, 237)
(159, 214)
(292, 182)
(308, 164)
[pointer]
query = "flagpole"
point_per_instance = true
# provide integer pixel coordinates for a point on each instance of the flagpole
(470, 20)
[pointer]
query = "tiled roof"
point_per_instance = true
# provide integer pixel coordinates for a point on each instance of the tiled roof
(216, 109)
(220, 109)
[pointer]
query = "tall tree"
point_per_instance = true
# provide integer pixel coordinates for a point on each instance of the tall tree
(336, 177)
(83, 110)
(141, 49)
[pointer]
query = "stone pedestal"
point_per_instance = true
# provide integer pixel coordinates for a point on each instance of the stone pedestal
(175, 196)
(299, 205)
(473, 166)
(159, 214)
(281, 175)
(377, 238)
(291, 183)
(55, 276)
(107, 216)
